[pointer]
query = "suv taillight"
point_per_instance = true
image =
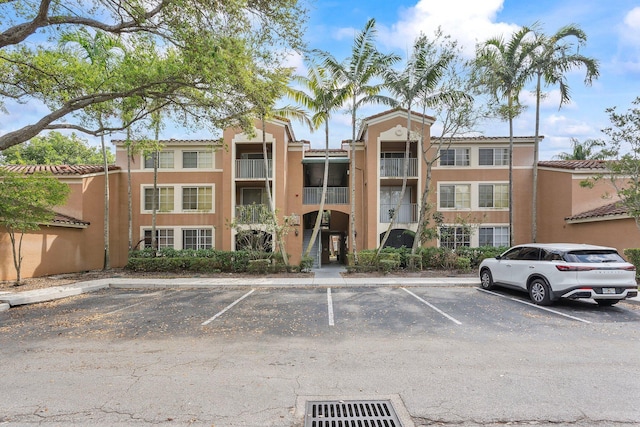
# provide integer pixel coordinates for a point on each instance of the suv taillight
(561, 267)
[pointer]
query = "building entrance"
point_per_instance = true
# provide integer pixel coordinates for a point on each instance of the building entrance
(329, 246)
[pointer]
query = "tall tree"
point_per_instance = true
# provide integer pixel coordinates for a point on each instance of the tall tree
(419, 81)
(356, 74)
(103, 52)
(320, 94)
(264, 109)
(552, 58)
(502, 69)
(624, 147)
(586, 150)
(54, 148)
(26, 202)
(457, 115)
(213, 58)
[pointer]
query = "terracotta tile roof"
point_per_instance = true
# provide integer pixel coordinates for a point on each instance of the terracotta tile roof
(59, 169)
(179, 141)
(489, 139)
(574, 164)
(61, 219)
(384, 113)
(612, 209)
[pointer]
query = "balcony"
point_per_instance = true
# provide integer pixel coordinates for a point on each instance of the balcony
(251, 214)
(334, 196)
(408, 213)
(252, 169)
(394, 168)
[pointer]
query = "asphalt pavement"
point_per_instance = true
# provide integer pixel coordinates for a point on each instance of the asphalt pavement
(325, 276)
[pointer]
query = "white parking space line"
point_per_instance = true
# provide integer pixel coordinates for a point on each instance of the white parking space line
(206, 322)
(432, 306)
(330, 307)
(159, 294)
(534, 305)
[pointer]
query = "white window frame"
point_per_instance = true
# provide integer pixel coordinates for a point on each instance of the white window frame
(457, 205)
(496, 160)
(204, 159)
(162, 240)
(494, 196)
(466, 237)
(497, 232)
(199, 237)
(160, 195)
(198, 195)
(461, 157)
(166, 160)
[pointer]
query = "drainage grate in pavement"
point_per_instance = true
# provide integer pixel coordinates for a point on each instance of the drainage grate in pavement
(351, 413)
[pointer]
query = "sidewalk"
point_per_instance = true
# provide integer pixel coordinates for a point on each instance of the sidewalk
(324, 277)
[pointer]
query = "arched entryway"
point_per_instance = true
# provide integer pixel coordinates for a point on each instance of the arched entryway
(330, 245)
(399, 237)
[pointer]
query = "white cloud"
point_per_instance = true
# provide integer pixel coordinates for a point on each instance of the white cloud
(630, 30)
(467, 21)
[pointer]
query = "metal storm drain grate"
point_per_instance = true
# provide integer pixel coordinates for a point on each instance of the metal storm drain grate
(351, 413)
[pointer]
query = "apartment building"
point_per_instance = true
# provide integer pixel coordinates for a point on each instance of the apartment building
(205, 185)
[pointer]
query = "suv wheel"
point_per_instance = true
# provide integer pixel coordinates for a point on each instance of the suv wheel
(486, 280)
(539, 292)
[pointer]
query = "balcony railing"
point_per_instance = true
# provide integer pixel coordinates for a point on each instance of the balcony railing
(252, 168)
(394, 168)
(250, 214)
(335, 196)
(408, 213)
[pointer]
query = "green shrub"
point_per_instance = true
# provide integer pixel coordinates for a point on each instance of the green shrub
(391, 261)
(259, 266)
(369, 258)
(387, 265)
(633, 255)
(414, 262)
(463, 263)
(306, 264)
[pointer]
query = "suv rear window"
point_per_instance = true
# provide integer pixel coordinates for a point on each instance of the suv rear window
(593, 256)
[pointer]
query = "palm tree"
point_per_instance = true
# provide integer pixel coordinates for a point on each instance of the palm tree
(323, 98)
(355, 74)
(502, 69)
(583, 150)
(419, 81)
(263, 110)
(551, 59)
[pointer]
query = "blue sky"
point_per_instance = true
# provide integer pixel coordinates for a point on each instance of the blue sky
(612, 27)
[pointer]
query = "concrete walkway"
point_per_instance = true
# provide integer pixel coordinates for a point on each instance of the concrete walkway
(323, 277)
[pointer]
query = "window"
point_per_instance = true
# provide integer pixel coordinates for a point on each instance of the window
(493, 156)
(165, 197)
(493, 196)
(199, 238)
(197, 159)
(493, 236)
(456, 196)
(165, 160)
(453, 237)
(197, 199)
(454, 157)
(164, 238)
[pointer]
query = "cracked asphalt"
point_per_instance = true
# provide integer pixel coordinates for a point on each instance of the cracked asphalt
(236, 356)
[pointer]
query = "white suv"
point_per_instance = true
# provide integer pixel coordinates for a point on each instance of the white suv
(562, 270)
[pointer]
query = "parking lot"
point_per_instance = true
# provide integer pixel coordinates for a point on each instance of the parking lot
(248, 356)
(304, 312)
